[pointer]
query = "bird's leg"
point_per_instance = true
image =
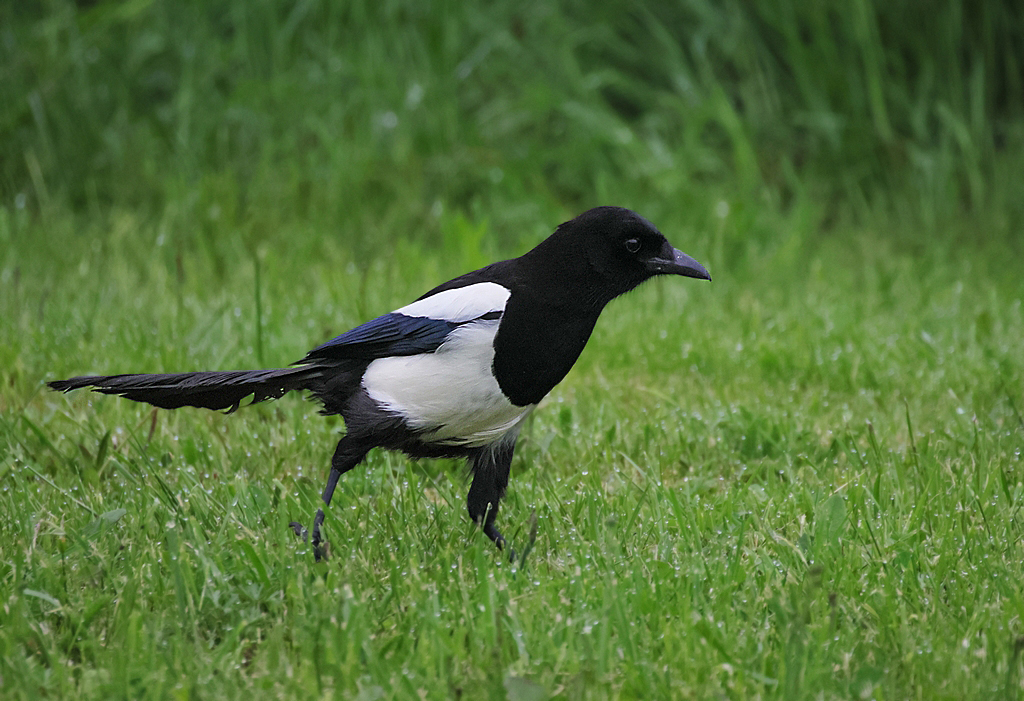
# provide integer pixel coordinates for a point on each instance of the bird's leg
(347, 455)
(318, 520)
(490, 479)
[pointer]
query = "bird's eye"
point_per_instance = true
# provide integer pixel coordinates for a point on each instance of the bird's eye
(632, 245)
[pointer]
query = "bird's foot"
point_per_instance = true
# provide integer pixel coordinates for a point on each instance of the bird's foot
(319, 545)
(320, 548)
(499, 540)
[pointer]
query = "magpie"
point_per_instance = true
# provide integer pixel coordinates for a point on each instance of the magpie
(456, 372)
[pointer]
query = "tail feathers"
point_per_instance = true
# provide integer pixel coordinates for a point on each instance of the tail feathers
(207, 390)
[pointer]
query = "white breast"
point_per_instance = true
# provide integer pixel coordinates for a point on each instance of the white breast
(451, 394)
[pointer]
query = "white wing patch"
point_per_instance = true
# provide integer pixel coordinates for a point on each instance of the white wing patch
(451, 394)
(461, 303)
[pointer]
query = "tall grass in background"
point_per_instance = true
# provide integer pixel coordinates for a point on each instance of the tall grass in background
(290, 115)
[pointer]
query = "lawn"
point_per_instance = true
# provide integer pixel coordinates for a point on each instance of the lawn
(803, 480)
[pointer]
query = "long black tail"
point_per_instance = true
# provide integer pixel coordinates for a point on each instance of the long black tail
(208, 390)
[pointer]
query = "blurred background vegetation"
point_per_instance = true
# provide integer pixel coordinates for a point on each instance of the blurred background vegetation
(442, 122)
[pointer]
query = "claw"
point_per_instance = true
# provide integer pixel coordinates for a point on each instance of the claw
(300, 531)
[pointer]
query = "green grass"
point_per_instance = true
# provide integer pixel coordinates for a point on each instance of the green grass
(802, 481)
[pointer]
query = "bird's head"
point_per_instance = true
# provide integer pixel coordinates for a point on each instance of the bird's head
(625, 249)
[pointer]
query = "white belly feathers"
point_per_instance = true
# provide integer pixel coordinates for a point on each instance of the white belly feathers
(451, 394)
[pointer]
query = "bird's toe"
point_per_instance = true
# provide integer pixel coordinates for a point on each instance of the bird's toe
(299, 530)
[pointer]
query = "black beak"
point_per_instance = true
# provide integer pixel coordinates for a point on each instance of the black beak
(672, 261)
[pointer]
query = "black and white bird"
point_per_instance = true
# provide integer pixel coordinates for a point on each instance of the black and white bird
(455, 373)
